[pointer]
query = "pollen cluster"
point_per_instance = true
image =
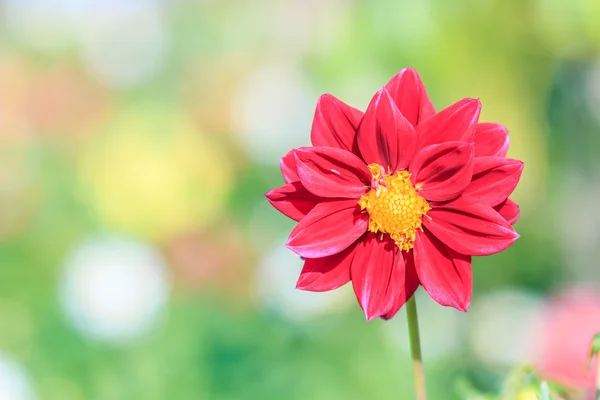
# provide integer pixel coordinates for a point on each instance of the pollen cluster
(394, 206)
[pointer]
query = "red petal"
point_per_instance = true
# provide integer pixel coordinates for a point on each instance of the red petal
(454, 123)
(335, 124)
(331, 172)
(328, 229)
(411, 283)
(509, 211)
(470, 227)
(288, 167)
(491, 140)
(494, 179)
(327, 273)
(293, 200)
(377, 273)
(385, 137)
(442, 171)
(444, 274)
(410, 96)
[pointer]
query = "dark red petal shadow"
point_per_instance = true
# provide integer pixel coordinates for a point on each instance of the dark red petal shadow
(509, 210)
(442, 171)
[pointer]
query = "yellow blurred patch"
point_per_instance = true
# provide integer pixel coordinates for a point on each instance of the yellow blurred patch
(528, 394)
(152, 174)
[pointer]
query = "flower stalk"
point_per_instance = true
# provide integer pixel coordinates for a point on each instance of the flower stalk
(415, 349)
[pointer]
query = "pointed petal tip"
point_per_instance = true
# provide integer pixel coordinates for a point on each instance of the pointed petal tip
(300, 284)
(472, 102)
(292, 151)
(515, 234)
(380, 93)
(294, 248)
(269, 194)
(509, 161)
(290, 246)
(370, 317)
(299, 150)
(385, 92)
(491, 126)
(325, 97)
(406, 70)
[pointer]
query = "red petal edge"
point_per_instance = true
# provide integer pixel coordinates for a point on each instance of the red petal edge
(377, 274)
(335, 124)
(288, 167)
(445, 274)
(441, 172)
(331, 172)
(470, 227)
(385, 137)
(327, 273)
(410, 96)
(509, 210)
(491, 140)
(328, 229)
(494, 179)
(293, 200)
(454, 123)
(411, 284)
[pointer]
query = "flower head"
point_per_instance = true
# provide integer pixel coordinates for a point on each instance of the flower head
(398, 197)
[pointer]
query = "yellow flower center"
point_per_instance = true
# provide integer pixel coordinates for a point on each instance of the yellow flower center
(394, 206)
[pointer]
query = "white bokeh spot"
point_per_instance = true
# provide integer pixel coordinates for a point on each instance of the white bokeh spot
(272, 110)
(503, 327)
(114, 289)
(14, 383)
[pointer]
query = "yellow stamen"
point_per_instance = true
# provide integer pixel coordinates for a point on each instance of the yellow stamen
(394, 206)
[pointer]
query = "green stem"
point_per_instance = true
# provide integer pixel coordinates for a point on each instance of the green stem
(415, 349)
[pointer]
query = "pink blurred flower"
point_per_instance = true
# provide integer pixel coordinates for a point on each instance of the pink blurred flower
(203, 261)
(61, 101)
(569, 323)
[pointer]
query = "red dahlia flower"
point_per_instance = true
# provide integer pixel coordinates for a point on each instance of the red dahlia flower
(398, 196)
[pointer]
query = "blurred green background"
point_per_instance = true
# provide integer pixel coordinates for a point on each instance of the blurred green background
(140, 260)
